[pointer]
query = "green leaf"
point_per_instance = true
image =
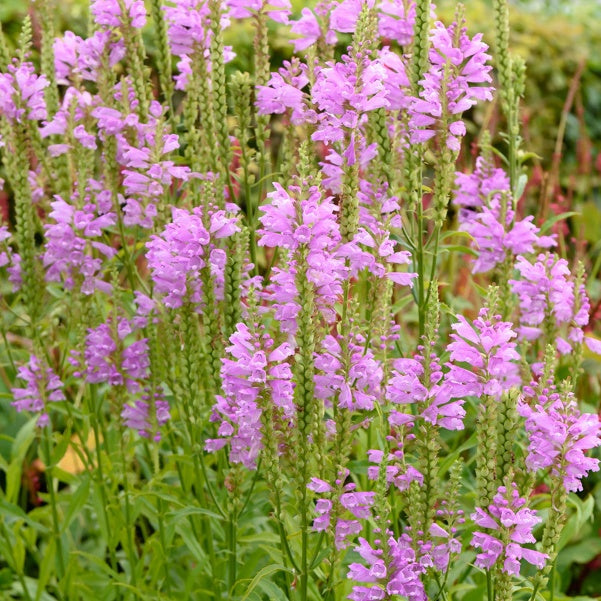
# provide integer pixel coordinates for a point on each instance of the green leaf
(48, 560)
(23, 440)
(58, 452)
(193, 545)
(450, 459)
(460, 248)
(78, 500)
(520, 186)
(273, 592)
(21, 444)
(581, 552)
(176, 516)
(401, 304)
(549, 223)
(10, 509)
(266, 571)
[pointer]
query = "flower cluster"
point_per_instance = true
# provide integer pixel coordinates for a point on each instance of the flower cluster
(559, 435)
(487, 214)
(547, 294)
(347, 499)
(73, 237)
(177, 256)
(109, 359)
(487, 347)
(513, 523)
(458, 65)
(430, 395)
(108, 13)
(190, 36)
(356, 386)
(77, 59)
(292, 223)
(147, 415)
(254, 374)
(397, 574)
(41, 385)
(22, 93)
(284, 92)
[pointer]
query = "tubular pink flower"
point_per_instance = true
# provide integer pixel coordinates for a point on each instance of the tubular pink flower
(508, 516)
(559, 436)
(22, 93)
(402, 577)
(107, 13)
(462, 68)
(72, 252)
(178, 254)
(290, 223)
(433, 400)
(361, 389)
(486, 347)
(253, 369)
(546, 290)
(278, 10)
(107, 359)
(41, 385)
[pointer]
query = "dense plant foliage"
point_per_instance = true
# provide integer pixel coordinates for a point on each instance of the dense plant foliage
(282, 321)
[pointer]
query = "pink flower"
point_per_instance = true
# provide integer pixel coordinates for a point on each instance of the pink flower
(462, 66)
(41, 385)
(253, 373)
(487, 348)
(559, 436)
(22, 93)
(508, 516)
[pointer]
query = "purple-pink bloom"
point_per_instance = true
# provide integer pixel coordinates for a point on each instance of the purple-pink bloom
(356, 388)
(283, 92)
(254, 372)
(278, 10)
(73, 254)
(396, 20)
(22, 93)
(41, 385)
(108, 13)
(559, 436)
(107, 358)
(291, 223)
(398, 472)
(402, 577)
(147, 415)
(546, 290)
(76, 58)
(177, 256)
(309, 28)
(458, 65)
(486, 346)
(487, 214)
(514, 523)
(432, 399)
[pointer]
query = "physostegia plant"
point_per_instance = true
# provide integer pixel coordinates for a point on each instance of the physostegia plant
(233, 319)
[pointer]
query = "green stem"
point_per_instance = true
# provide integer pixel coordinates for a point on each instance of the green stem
(50, 484)
(535, 591)
(95, 413)
(129, 527)
(489, 586)
(304, 582)
(232, 550)
(153, 459)
(421, 305)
